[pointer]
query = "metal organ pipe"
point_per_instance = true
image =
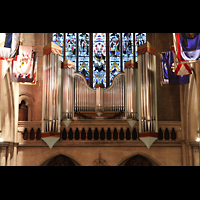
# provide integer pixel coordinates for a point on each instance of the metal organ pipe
(131, 106)
(147, 89)
(68, 90)
(89, 99)
(51, 88)
(113, 96)
(85, 96)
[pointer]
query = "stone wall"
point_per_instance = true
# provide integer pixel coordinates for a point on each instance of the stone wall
(168, 95)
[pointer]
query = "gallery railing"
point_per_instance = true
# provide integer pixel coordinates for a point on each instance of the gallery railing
(168, 131)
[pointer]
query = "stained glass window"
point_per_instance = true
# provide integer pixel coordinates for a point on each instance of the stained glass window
(70, 47)
(115, 55)
(84, 55)
(140, 38)
(90, 59)
(99, 58)
(127, 48)
(58, 38)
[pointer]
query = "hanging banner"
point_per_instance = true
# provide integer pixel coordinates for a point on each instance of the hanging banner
(23, 68)
(187, 50)
(34, 73)
(9, 43)
(169, 69)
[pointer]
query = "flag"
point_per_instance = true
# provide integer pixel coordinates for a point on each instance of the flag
(24, 66)
(187, 50)
(190, 43)
(8, 40)
(181, 69)
(9, 45)
(168, 69)
(34, 60)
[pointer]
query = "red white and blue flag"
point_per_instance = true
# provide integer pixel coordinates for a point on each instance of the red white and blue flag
(187, 51)
(23, 67)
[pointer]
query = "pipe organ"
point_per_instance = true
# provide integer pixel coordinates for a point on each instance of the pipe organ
(132, 93)
(51, 103)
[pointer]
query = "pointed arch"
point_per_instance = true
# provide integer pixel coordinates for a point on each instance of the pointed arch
(56, 158)
(147, 157)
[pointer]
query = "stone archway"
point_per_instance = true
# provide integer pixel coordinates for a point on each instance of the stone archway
(61, 160)
(138, 160)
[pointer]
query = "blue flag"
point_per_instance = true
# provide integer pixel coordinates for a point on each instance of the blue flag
(169, 70)
(8, 40)
(190, 46)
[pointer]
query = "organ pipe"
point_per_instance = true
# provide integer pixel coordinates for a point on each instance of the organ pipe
(51, 88)
(113, 99)
(147, 89)
(99, 99)
(85, 96)
(68, 90)
(131, 104)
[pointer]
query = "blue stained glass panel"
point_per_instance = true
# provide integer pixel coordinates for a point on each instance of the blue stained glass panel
(99, 59)
(140, 39)
(115, 55)
(84, 55)
(127, 48)
(70, 47)
(58, 38)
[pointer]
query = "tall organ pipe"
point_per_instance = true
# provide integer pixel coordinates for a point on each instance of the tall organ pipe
(85, 96)
(114, 95)
(51, 88)
(131, 107)
(68, 90)
(147, 90)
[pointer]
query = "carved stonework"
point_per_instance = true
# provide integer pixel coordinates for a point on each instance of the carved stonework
(100, 161)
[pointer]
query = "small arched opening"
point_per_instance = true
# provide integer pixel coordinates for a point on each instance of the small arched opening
(29, 103)
(23, 111)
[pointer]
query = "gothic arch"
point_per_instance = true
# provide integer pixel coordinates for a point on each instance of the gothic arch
(151, 160)
(56, 158)
(29, 103)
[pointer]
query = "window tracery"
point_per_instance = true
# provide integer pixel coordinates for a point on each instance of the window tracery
(99, 56)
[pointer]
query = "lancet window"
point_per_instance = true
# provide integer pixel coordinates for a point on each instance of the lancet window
(99, 56)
